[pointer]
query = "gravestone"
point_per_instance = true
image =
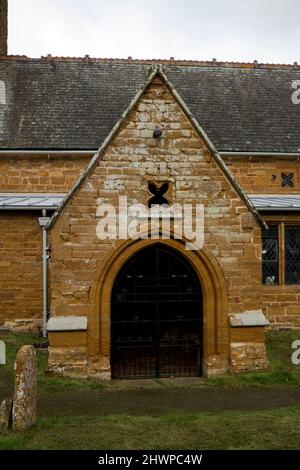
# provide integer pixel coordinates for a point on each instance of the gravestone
(24, 402)
(2, 353)
(5, 415)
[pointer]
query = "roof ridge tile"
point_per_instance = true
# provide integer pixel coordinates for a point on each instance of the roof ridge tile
(131, 60)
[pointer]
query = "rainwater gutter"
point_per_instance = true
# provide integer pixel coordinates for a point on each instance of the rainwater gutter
(33, 153)
(261, 154)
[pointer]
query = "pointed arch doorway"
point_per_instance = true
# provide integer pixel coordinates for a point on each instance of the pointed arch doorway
(156, 316)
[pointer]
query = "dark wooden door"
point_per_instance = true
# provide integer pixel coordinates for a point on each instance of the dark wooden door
(156, 318)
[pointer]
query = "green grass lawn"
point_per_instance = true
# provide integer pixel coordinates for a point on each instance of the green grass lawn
(282, 371)
(277, 428)
(46, 383)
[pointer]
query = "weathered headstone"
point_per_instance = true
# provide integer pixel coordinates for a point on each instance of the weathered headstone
(24, 402)
(2, 353)
(5, 415)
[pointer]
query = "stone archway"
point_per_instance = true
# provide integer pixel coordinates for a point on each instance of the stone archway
(215, 308)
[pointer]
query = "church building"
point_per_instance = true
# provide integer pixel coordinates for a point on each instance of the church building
(149, 211)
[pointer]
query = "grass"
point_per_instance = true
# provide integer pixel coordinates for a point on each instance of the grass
(268, 429)
(282, 371)
(46, 383)
(226, 430)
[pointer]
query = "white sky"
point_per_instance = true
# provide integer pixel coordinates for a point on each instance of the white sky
(239, 30)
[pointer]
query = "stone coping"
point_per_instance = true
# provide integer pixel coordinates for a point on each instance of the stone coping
(67, 324)
(248, 318)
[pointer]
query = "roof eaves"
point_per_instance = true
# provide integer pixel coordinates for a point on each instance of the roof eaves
(27, 208)
(279, 209)
(30, 201)
(260, 153)
(271, 202)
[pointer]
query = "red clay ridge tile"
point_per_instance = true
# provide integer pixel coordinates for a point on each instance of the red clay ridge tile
(170, 61)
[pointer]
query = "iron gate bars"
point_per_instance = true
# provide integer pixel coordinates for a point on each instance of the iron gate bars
(156, 320)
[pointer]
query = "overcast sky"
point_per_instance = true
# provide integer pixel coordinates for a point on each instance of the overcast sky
(239, 30)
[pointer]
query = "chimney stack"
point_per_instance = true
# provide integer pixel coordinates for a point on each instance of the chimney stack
(3, 27)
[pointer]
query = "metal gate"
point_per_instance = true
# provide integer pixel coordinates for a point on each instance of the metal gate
(156, 319)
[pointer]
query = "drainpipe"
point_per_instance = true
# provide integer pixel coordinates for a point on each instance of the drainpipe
(43, 222)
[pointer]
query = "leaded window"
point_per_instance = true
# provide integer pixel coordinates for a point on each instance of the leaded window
(292, 254)
(281, 254)
(270, 256)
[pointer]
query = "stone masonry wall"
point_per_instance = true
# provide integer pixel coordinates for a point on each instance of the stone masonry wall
(132, 160)
(34, 174)
(21, 294)
(281, 305)
(257, 175)
(23, 299)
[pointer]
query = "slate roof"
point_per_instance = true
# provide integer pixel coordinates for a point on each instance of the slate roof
(61, 103)
(157, 71)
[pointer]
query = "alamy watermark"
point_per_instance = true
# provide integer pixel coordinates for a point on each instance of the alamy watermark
(137, 221)
(296, 93)
(296, 354)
